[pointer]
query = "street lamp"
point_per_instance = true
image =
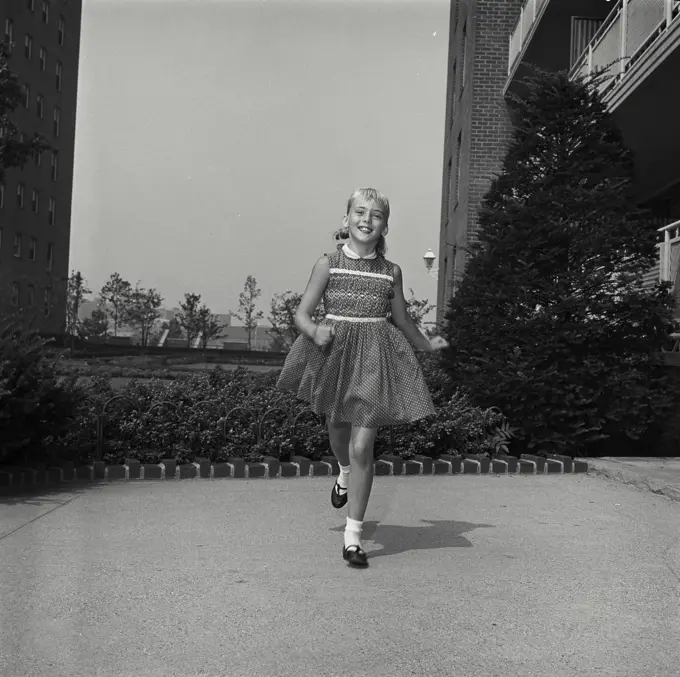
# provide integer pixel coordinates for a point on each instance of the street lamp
(429, 258)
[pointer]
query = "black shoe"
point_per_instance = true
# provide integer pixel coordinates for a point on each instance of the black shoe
(338, 499)
(355, 556)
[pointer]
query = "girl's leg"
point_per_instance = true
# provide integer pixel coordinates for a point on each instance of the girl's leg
(361, 458)
(339, 434)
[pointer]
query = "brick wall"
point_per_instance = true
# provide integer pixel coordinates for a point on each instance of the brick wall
(477, 114)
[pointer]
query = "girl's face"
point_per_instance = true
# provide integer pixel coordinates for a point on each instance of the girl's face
(366, 222)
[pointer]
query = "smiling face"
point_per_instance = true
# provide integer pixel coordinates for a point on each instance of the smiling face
(366, 221)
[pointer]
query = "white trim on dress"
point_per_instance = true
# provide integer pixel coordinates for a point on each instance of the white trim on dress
(341, 318)
(345, 271)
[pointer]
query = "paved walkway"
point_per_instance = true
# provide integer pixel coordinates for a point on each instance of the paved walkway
(658, 475)
(508, 576)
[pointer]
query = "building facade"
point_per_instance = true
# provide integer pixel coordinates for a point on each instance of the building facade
(35, 201)
(490, 44)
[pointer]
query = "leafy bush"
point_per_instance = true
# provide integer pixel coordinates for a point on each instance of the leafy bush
(151, 419)
(35, 404)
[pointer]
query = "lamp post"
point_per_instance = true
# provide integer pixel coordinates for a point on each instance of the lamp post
(429, 258)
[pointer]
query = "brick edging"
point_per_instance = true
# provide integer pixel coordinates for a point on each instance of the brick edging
(65, 473)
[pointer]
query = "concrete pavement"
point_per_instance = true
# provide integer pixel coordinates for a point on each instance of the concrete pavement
(658, 475)
(490, 575)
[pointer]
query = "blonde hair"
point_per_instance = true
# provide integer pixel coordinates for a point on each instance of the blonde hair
(382, 202)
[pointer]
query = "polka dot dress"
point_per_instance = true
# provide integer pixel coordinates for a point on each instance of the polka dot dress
(369, 376)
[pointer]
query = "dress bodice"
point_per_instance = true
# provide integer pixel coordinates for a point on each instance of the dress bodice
(359, 287)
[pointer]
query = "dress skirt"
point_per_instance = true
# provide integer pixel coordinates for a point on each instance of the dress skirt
(369, 376)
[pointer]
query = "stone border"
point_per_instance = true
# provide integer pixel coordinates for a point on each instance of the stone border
(66, 473)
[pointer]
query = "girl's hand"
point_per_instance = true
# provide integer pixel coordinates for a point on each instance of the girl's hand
(323, 336)
(438, 343)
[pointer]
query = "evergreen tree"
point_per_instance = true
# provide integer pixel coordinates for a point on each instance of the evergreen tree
(551, 322)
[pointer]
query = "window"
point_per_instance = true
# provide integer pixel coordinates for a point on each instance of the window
(61, 30)
(28, 46)
(15, 293)
(449, 188)
(48, 302)
(32, 249)
(458, 145)
(453, 91)
(37, 158)
(31, 5)
(55, 165)
(43, 58)
(56, 117)
(35, 201)
(59, 73)
(20, 194)
(17, 245)
(2, 195)
(40, 105)
(50, 256)
(27, 96)
(9, 34)
(52, 212)
(45, 12)
(31, 295)
(463, 60)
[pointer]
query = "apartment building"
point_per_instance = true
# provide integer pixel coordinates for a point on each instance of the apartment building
(35, 202)
(490, 44)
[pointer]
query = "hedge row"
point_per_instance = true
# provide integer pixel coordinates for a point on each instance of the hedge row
(224, 414)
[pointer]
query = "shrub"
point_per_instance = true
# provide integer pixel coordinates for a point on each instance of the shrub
(35, 404)
(184, 419)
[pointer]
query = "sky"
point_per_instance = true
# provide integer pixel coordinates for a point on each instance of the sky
(217, 139)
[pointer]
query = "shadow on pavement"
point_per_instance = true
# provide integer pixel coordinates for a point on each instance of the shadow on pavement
(45, 495)
(432, 535)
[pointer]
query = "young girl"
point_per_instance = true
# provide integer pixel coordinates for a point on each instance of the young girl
(357, 367)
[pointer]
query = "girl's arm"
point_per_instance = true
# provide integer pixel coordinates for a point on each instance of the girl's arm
(402, 319)
(310, 299)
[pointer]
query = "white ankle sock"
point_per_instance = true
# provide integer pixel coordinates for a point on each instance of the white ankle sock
(343, 477)
(353, 532)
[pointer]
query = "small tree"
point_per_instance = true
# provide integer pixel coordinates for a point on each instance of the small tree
(551, 322)
(77, 292)
(282, 318)
(143, 311)
(189, 318)
(247, 301)
(210, 326)
(417, 309)
(115, 299)
(14, 148)
(95, 326)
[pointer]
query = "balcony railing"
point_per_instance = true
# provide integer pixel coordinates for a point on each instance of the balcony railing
(630, 29)
(669, 255)
(529, 15)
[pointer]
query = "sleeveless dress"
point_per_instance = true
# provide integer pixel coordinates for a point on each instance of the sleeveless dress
(369, 376)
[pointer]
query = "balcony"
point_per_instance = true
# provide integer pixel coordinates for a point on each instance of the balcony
(529, 16)
(552, 34)
(627, 32)
(638, 41)
(669, 253)
(639, 33)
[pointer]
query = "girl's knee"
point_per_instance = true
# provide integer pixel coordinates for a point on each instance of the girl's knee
(361, 454)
